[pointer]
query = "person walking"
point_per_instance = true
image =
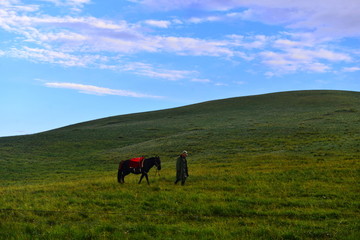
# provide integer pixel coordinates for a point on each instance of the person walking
(181, 168)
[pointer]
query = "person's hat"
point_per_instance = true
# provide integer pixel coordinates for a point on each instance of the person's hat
(185, 152)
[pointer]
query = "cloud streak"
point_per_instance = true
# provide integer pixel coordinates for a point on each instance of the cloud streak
(150, 71)
(56, 57)
(351, 69)
(328, 18)
(295, 59)
(95, 90)
(74, 5)
(158, 23)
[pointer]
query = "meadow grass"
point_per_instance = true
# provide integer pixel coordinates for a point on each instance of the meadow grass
(275, 199)
(279, 166)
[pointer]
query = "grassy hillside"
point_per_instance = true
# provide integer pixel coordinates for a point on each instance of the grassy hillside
(281, 166)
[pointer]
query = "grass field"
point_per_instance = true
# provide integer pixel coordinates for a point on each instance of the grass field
(276, 166)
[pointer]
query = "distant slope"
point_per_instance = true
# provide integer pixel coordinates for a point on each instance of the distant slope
(301, 124)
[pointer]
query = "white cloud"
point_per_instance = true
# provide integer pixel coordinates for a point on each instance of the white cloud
(177, 21)
(75, 5)
(194, 46)
(270, 74)
(89, 34)
(90, 89)
(240, 82)
(296, 60)
(307, 55)
(150, 71)
(288, 54)
(328, 18)
(205, 19)
(286, 43)
(316, 67)
(50, 56)
(201, 80)
(249, 42)
(179, 4)
(351, 69)
(220, 84)
(158, 23)
(95, 42)
(70, 60)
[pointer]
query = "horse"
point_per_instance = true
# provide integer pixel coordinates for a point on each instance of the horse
(126, 167)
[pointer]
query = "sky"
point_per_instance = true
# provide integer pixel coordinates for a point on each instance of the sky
(68, 61)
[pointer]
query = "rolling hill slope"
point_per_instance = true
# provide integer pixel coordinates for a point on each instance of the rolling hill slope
(305, 124)
(275, 166)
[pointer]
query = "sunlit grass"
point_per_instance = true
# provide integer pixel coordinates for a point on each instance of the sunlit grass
(282, 199)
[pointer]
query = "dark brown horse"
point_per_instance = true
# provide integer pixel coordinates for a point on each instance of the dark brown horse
(126, 167)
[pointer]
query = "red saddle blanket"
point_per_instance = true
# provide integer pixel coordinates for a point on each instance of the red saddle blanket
(136, 162)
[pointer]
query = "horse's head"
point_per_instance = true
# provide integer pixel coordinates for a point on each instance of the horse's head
(157, 162)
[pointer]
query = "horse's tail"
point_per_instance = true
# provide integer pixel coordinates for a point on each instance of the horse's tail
(120, 171)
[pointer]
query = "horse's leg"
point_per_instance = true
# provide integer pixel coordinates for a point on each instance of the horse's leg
(125, 174)
(142, 176)
(120, 176)
(147, 179)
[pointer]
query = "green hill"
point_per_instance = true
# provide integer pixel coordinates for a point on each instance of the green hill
(282, 166)
(307, 124)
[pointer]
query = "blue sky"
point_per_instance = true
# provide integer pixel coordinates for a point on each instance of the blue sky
(69, 61)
